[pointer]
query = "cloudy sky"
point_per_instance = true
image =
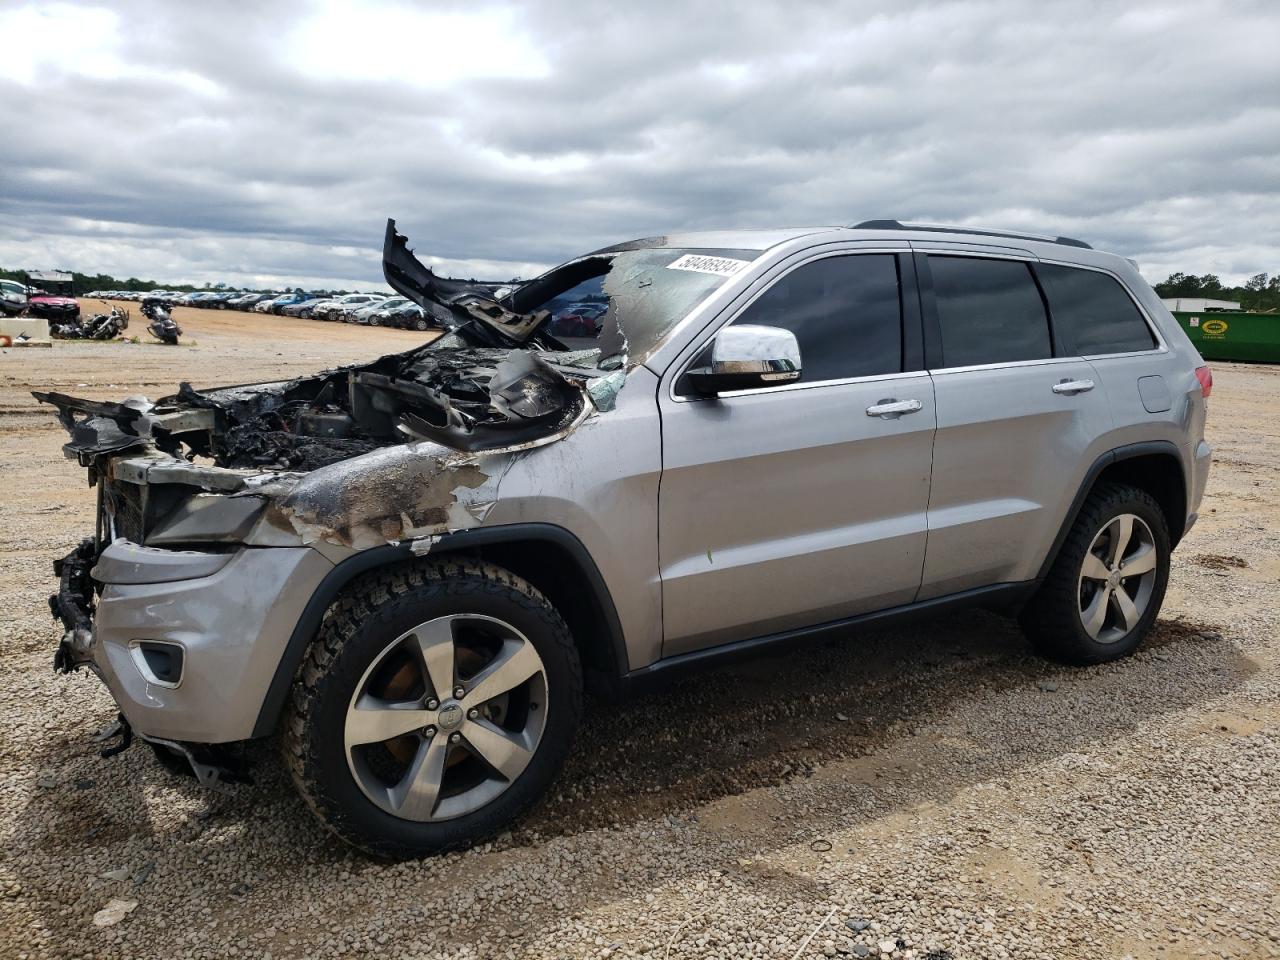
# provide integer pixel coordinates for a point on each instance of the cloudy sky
(261, 143)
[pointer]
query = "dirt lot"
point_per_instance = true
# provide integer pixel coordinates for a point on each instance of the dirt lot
(933, 792)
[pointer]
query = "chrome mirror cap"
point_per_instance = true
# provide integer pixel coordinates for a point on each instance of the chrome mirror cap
(745, 356)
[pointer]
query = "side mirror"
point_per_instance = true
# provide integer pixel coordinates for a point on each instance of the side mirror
(746, 356)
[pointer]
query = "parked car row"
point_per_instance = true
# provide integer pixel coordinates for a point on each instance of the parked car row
(375, 310)
(372, 309)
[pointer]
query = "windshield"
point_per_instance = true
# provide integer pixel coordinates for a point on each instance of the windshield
(626, 302)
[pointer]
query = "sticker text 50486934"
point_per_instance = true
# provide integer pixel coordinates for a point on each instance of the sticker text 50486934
(721, 266)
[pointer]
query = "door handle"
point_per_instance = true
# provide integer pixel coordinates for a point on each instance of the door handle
(1072, 387)
(892, 409)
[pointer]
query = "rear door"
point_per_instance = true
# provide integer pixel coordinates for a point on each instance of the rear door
(797, 504)
(1019, 419)
(1147, 386)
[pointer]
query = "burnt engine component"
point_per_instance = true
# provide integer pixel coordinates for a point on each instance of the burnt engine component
(466, 398)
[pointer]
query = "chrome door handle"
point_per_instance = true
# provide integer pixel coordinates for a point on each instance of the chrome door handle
(891, 409)
(1072, 387)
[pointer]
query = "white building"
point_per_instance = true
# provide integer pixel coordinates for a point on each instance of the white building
(1198, 304)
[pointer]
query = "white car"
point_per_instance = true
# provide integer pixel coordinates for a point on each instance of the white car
(13, 297)
(340, 308)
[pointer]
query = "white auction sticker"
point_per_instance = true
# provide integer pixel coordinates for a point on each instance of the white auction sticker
(720, 266)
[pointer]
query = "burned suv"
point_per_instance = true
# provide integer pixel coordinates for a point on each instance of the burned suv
(410, 569)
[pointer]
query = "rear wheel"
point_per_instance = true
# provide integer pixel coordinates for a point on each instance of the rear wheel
(437, 704)
(1106, 585)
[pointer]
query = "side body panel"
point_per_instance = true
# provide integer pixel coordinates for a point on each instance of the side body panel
(1134, 382)
(785, 508)
(1009, 455)
(601, 484)
(789, 506)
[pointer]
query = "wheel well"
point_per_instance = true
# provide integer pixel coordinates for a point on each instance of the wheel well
(573, 590)
(1160, 475)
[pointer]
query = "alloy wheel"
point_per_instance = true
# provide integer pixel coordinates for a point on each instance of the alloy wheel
(446, 717)
(1117, 578)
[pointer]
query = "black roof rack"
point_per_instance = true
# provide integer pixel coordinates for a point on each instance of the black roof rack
(942, 228)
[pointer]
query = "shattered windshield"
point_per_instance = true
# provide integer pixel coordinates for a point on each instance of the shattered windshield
(625, 303)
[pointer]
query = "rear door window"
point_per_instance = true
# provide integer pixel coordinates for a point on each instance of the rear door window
(990, 311)
(1092, 313)
(846, 314)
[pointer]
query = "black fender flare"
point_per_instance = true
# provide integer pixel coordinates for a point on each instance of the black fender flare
(336, 580)
(1145, 448)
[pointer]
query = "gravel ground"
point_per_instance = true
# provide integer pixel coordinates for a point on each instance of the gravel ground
(934, 792)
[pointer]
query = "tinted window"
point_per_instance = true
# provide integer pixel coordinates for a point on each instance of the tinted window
(1092, 313)
(845, 313)
(990, 311)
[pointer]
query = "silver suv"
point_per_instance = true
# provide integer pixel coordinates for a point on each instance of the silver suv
(656, 456)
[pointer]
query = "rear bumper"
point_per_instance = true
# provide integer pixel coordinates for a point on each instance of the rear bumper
(231, 614)
(1201, 458)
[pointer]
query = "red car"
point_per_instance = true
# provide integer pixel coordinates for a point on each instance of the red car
(57, 305)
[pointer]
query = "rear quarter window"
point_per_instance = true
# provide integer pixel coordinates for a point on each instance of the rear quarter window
(1092, 313)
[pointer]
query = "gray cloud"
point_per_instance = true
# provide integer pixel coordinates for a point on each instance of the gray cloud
(267, 142)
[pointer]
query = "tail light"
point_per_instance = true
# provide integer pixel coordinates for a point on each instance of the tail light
(1205, 376)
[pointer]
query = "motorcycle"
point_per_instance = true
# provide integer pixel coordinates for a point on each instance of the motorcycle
(100, 326)
(161, 326)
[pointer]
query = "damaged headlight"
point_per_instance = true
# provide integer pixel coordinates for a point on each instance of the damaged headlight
(208, 518)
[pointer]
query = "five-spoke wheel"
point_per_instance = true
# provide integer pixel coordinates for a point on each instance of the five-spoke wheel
(1104, 589)
(446, 717)
(438, 702)
(1117, 577)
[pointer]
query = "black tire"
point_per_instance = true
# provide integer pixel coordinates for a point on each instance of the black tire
(368, 617)
(1052, 619)
(421, 324)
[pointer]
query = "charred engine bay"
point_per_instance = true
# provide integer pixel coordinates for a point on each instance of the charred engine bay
(468, 398)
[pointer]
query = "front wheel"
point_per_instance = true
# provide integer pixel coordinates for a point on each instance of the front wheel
(1106, 585)
(438, 703)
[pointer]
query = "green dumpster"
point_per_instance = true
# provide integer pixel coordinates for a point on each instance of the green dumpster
(1254, 337)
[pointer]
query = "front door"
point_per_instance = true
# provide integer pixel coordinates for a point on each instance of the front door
(801, 504)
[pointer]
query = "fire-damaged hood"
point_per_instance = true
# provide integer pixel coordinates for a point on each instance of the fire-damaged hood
(468, 398)
(409, 445)
(493, 382)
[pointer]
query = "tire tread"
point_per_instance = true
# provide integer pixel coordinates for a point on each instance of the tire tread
(380, 594)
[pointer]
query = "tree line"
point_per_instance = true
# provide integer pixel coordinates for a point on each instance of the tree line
(1260, 293)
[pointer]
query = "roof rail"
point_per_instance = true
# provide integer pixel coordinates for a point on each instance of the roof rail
(942, 228)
